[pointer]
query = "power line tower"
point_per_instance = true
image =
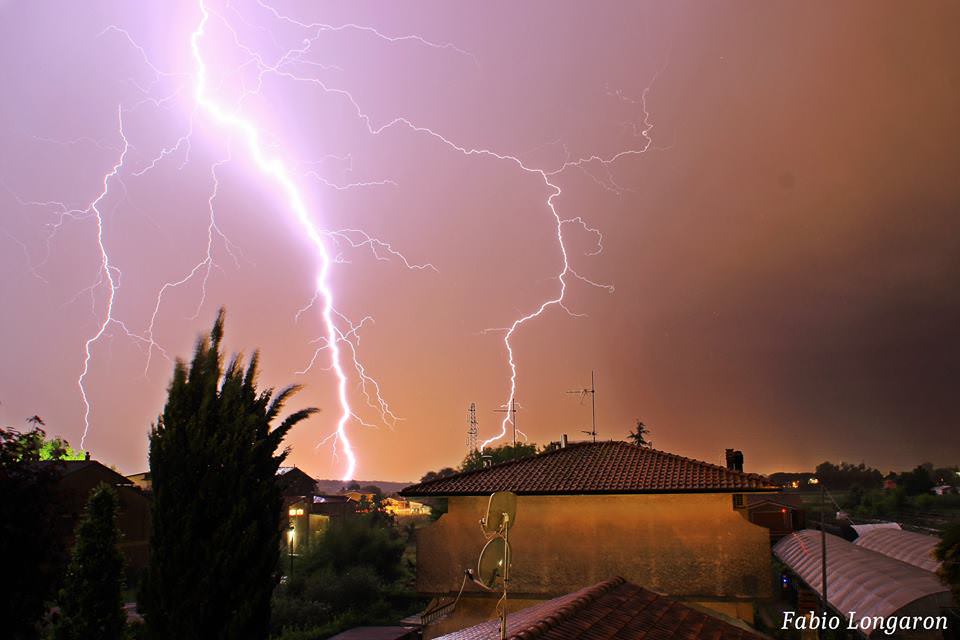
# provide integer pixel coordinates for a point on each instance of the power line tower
(473, 433)
(593, 404)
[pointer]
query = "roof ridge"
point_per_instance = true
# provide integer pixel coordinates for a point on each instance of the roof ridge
(543, 625)
(501, 465)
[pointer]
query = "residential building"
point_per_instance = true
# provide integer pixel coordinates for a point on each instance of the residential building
(586, 511)
(781, 513)
(77, 479)
(295, 482)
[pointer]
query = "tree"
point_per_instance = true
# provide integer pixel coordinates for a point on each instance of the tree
(91, 605)
(29, 546)
(917, 481)
(948, 552)
(496, 455)
(639, 435)
(216, 505)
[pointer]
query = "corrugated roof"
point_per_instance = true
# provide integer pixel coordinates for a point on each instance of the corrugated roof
(596, 467)
(611, 610)
(858, 579)
(907, 546)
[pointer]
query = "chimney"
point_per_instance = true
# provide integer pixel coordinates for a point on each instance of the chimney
(563, 441)
(734, 460)
(86, 455)
(486, 461)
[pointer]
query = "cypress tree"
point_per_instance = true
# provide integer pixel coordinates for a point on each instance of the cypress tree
(91, 604)
(216, 503)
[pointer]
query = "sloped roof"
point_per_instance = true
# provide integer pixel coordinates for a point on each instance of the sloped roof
(595, 467)
(858, 579)
(907, 546)
(70, 467)
(611, 610)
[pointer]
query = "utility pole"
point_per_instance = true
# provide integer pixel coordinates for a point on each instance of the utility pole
(593, 404)
(823, 556)
(512, 410)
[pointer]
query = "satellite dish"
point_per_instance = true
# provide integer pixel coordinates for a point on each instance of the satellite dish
(501, 513)
(494, 562)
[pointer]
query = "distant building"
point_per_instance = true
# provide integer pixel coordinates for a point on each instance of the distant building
(781, 513)
(591, 510)
(611, 610)
(403, 507)
(78, 478)
(859, 579)
(142, 481)
(944, 489)
(295, 482)
(358, 496)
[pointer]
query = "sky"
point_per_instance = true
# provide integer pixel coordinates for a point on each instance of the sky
(757, 204)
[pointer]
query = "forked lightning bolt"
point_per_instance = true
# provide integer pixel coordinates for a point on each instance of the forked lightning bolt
(341, 336)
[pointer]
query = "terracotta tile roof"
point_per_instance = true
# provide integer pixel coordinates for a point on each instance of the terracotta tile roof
(595, 467)
(611, 610)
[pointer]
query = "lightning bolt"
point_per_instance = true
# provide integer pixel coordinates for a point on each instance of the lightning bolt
(340, 336)
(107, 277)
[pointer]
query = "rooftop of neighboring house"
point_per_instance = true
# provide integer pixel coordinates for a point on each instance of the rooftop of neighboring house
(596, 468)
(610, 610)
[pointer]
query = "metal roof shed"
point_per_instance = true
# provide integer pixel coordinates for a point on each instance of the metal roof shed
(863, 581)
(912, 548)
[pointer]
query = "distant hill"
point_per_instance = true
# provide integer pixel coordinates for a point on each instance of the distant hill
(335, 486)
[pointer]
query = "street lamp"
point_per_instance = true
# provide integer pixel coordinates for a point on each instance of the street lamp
(291, 536)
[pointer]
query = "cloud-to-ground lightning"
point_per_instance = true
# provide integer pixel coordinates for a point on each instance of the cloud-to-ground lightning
(340, 335)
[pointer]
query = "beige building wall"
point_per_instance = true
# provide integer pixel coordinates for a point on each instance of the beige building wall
(692, 546)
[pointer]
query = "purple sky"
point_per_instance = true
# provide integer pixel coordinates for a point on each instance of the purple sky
(779, 220)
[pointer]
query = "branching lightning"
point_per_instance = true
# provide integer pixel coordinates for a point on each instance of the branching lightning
(340, 339)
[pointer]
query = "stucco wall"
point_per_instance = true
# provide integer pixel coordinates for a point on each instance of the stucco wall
(689, 545)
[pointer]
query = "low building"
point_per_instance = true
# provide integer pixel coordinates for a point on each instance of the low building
(906, 546)
(77, 479)
(295, 482)
(142, 481)
(781, 513)
(309, 516)
(590, 510)
(862, 581)
(611, 610)
(402, 507)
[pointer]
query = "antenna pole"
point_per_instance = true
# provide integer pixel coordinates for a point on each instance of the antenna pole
(506, 576)
(593, 403)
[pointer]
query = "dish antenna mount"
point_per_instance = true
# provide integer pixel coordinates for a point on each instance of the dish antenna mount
(493, 566)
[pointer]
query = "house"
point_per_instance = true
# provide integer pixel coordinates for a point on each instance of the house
(77, 479)
(294, 482)
(586, 511)
(359, 496)
(781, 513)
(611, 610)
(309, 516)
(402, 507)
(142, 481)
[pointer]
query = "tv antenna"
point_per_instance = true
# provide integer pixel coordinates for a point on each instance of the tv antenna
(495, 558)
(593, 404)
(473, 433)
(512, 410)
